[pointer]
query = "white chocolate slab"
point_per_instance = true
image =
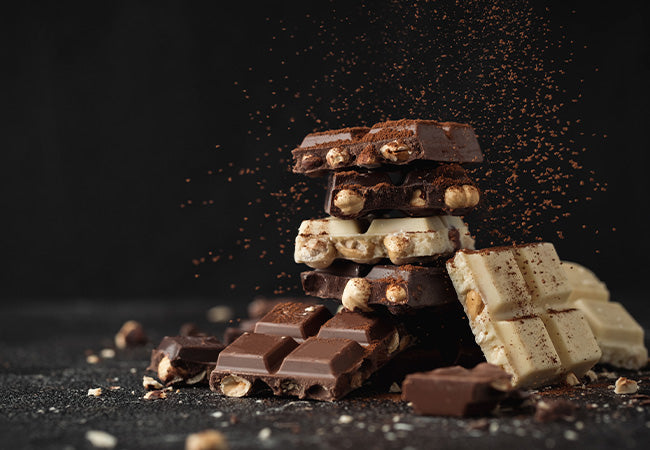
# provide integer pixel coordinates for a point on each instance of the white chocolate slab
(515, 299)
(619, 336)
(584, 283)
(402, 240)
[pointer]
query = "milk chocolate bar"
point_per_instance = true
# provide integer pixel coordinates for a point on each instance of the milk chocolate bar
(187, 359)
(394, 142)
(403, 240)
(619, 336)
(346, 350)
(399, 288)
(445, 189)
(515, 300)
(456, 391)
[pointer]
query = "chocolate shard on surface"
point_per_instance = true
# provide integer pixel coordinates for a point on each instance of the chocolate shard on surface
(399, 288)
(456, 391)
(403, 240)
(445, 189)
(187, 359)
(387, 143)
(347, 349)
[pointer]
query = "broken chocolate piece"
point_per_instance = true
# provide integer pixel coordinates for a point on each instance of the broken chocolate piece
(186, 359)
(394, 142)
(347, 350)
(456, 391)
(296, 320)
(399, 288)
(445, 189)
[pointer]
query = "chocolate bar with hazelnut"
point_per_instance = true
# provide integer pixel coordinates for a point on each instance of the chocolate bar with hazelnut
(396, 142)
(399, 288)
(335, 357)
(445, 189)
(456, 391)
(185, 359)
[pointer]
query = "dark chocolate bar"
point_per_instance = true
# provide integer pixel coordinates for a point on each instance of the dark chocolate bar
(395, 142)
(332, 360)
(399, 288)
(456, 391)
(187, 359)
(445, 189)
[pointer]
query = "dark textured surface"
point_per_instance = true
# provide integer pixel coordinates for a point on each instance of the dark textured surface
(44, 379)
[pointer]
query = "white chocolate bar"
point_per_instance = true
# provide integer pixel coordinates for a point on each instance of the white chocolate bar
(402, 240)
(515, 299)
(619, 336)
(584, 283)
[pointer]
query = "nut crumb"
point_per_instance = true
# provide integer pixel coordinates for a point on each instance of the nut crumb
(94, 392)
(206, 440)
(346, 419)
(107, 353)
(571, 379)
(220, 314)
(264, 434)
(92, 359)
(626, 386)
(394, 388)
(155, 395)
(150, 383)
(101, 439)
(591, 376)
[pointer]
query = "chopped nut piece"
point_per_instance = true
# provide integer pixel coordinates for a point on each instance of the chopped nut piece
(155, 395)
(149, 383)
(95, 392)
(264, 434)
(474, 304)
(196, 378)
(626, 386)
(107, 353)
(220, 313)
(101, 439)
(571, 379)
(394, 388)
(591, 375)
(130, 335)
(234, 386)
(356, 294)
(92, 359)
(346, 419)
(206, 440)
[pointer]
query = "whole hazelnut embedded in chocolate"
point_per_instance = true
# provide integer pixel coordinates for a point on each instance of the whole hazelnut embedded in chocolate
(368, 157)
(474, 304)
(396, 151)
(337, 157)
(395, 294)
(399, 246)
(356, 249)
(349, 201)
(235, 386)
(417, 199)
(465, 196)
(356, 294)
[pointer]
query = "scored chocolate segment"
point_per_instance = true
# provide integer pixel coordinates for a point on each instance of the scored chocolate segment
(346, 351)
(185, 358)
(455, 391)
(444, 190)
(296, 320)
(399, 288)
(394, 142)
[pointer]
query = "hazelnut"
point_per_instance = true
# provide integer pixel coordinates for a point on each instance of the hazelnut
(235, 386)
(474, 304)
(130, 335)
(168, 374)
(396, 151)
(625, 386)
(196, 378)
(395, 294)
(337, 157)
(149, 383)
(393, 345)
(206, 440)
(317, 253)
(155, 395)
(417, 199)
(398, 246)
(356, 249)
(95, 392)
(465, 196)
(311, 161)
(368, 157)
(356, 294)
(349, 201)
(571, 379)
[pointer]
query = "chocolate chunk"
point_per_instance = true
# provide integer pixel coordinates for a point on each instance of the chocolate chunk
(399, 288)
(456, 391)
(445, 189)
(552, 410)
(347, 350)
(296, 320)
(185, 358)
(395, 142)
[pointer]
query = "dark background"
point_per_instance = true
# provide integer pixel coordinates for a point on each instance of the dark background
(108, 111)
